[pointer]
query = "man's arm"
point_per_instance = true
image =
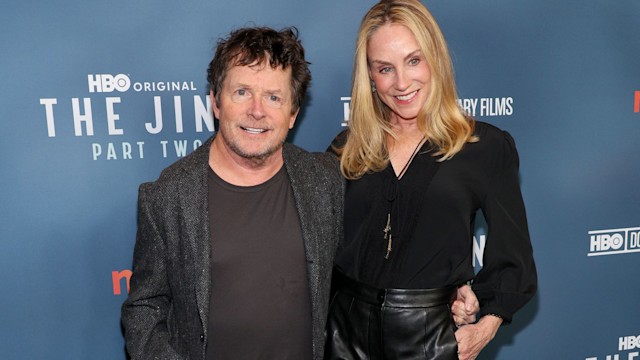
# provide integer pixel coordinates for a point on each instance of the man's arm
(145, 312)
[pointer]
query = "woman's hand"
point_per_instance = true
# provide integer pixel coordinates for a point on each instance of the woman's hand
(473, 338)
(465, 307)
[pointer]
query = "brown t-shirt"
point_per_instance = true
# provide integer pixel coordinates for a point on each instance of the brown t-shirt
(260, 305)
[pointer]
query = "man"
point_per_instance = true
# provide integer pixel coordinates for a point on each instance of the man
(236, 241)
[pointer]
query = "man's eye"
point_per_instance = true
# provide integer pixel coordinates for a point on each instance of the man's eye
(240, 95)
(274, 101)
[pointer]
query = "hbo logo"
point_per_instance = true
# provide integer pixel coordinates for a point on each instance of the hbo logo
(604, 242)
(108, 83)
(628, 342)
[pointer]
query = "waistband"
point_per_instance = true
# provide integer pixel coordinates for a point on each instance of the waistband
(402, 298)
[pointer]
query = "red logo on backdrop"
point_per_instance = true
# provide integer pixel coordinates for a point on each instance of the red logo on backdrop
(636, 102)
(116, 278)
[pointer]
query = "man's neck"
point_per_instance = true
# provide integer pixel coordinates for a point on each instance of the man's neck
(241, 171)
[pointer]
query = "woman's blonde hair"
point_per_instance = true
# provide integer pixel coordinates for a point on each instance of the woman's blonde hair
(440, 120)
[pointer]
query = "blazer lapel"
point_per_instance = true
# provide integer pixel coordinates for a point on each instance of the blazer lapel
(302, 188)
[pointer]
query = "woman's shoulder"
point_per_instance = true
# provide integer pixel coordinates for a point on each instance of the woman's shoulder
(338, 142)
(483, 129)
(494, 145)
(492, 136)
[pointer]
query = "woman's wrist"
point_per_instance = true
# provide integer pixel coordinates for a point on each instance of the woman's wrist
(489, 325)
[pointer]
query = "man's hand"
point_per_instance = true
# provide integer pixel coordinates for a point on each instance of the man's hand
(473, 338)
(465, 307)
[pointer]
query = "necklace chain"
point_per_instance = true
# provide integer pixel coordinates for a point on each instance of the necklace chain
(388, 235)
(415, 151)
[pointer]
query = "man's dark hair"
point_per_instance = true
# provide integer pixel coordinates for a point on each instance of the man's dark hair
(249, 46)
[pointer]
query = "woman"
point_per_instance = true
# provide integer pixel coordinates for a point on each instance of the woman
(418, 170)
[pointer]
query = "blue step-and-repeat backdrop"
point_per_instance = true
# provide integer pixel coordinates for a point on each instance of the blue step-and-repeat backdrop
(99, 96)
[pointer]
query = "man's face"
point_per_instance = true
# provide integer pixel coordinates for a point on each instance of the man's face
(255, 110)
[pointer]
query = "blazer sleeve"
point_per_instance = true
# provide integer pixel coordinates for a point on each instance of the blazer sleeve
(146, 310)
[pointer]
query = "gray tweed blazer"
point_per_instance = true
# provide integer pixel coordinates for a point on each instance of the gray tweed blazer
(165, 315)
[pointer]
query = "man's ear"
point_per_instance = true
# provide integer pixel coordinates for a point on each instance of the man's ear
(214, 104)
(292, 119)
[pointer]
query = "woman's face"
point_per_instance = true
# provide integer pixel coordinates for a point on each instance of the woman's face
(399, 70)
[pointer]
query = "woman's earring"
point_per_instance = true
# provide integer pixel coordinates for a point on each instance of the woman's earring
(373, 86)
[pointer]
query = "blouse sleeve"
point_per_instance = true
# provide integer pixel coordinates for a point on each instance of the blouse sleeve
(508, 279)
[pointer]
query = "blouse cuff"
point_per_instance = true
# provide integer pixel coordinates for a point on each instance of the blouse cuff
(495, 311)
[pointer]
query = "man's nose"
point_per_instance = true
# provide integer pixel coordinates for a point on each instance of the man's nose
(257, 107)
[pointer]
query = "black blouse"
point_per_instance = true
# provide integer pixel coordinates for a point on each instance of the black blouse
(432, 210)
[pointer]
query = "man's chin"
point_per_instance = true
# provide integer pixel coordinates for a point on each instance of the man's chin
(259, 155)
(252, 151)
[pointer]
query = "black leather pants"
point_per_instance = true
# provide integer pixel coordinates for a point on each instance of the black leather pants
(369, 323)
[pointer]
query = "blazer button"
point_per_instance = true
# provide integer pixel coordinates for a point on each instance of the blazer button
(201, 338)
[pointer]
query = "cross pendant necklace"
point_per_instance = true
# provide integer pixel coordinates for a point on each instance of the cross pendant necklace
(388, 236)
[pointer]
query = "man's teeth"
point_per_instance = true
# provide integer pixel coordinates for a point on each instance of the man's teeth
(254, 130)
(408, 96)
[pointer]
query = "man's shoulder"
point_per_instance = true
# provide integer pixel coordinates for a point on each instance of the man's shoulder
(192, 166)
(299, 159)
